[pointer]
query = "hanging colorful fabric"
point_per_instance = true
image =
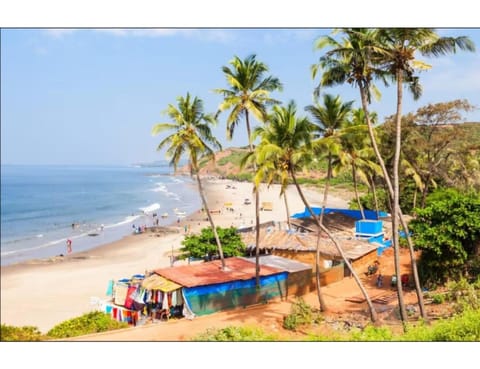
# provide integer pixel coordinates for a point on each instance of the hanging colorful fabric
(129, 299)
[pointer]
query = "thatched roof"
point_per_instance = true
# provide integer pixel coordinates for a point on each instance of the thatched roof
(271, 239)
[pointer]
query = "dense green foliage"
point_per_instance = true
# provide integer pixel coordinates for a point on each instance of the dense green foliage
(198, 246)
(10, 333)
(93, 322)
(368, 201)
(237, 334)
(448, 233)
(301, 314)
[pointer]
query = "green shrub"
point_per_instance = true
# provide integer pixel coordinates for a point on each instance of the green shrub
(199, 245)
(447, 231)
(438, 299)
(88, 323)
(236, 334)
(464, 295)
(10, 333)
(301, 314)
(371, 333)
(460, 328)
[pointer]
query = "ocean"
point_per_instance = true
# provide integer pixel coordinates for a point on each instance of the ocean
(44, 206)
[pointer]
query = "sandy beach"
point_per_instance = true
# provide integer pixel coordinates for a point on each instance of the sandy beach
(45, 292)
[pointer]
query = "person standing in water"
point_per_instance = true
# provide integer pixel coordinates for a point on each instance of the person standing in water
(69, 246)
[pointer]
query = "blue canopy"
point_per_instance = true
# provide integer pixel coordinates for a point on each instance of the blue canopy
(355, 214)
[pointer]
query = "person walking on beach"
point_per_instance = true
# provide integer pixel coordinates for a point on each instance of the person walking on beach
(69, 246)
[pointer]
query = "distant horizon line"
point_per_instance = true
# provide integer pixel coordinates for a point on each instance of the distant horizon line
(87, 164)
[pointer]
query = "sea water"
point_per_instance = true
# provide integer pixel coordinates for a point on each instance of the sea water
(44, 206)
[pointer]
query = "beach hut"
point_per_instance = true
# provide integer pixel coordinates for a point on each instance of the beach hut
(300, 243)
(299, 281)
(137, 298)
(163, 298)
(208, 289)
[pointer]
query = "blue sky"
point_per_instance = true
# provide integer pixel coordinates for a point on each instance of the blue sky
(92, 96)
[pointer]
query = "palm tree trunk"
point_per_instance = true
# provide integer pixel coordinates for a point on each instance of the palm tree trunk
(424, 196)
(374, 190)
(414, 204)
(373, 313)
(327, 186)
(257, 208)
(321, 300)
(418, 288)
(205, 206)
(354, 175)
(396, 195)
(287, 209)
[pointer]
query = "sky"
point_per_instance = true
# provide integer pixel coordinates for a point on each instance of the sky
(82, 96)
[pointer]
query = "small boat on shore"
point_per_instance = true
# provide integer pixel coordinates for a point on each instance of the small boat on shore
(178, 212)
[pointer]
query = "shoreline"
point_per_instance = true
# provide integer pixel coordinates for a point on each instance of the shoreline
(113, 210)
(45, 292)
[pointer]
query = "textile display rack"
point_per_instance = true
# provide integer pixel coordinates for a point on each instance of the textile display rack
(137, 299)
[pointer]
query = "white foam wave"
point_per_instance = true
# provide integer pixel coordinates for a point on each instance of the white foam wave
(129, 219)
(151, 208)
(173, 196)
(160, 187)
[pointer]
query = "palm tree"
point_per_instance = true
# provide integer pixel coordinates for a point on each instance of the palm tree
(191, 136)
(249, 93)
(328, 119)
(358, 154)
(354, 60)
(287, 141)
(268, 172)
(357, 60)
(399, 46)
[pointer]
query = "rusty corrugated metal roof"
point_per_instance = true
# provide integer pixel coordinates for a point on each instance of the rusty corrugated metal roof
(211, 273)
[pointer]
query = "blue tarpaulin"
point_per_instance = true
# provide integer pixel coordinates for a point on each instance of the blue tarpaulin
(211, 298)
(355, 214)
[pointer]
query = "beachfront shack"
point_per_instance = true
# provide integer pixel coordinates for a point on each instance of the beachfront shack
(299, 281)
(300, 243)
(208, 289)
